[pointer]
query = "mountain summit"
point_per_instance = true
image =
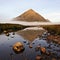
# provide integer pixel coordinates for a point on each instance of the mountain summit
(31, 16)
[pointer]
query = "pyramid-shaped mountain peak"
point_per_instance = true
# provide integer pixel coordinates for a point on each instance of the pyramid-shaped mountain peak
(30, 10)
(31, 16)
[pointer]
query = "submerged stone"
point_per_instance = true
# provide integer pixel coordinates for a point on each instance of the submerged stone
(43, 50)
(37, 48)
(12, 36)
(13, 33)
(38, 57)
(24, 41)
(28, 43)
(30, 46)
(18, 47)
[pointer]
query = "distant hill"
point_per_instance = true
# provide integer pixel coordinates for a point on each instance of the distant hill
(31, 16)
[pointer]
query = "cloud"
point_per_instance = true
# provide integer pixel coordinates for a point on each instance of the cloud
(54, 17)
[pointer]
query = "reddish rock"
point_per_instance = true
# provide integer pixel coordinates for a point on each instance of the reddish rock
(38, 57)
(30, 46)
(18, 47)
(43, 50)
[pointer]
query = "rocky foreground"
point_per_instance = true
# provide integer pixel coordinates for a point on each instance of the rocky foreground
(54, 38)
(51, 37)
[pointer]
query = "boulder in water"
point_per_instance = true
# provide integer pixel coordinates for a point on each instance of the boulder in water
(43, 50)
(18, 47)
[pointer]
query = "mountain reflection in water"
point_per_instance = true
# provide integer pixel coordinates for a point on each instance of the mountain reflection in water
(27, 37)
(31, 33)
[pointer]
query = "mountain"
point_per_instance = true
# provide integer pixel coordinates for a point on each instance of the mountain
(31, 16)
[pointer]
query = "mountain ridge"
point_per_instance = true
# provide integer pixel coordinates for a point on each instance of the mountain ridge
(31, 16)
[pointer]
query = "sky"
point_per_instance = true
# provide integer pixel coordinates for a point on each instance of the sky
(49, 9)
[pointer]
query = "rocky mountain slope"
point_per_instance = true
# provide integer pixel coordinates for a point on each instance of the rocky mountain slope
(31, 16)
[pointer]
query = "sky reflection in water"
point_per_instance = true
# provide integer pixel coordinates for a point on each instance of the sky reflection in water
(7, 53)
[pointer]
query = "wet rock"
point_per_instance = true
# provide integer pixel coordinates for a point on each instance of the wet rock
(59, 43)
(5, 31)
(48, 53)
(18, 47)
(38, 57)
(44, 38)
(50, 37)
(43, 50)
(33, 43)
(37, 48)
(30, 46)
(13, 33)
(12, 36)
(7, 34)
(54, 38)
(28, 43)
(49, 46)
(24, 41)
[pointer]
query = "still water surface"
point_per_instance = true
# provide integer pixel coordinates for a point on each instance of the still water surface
(7, 53)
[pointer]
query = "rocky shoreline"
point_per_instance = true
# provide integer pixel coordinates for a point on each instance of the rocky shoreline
(51, 37)
(54, 38)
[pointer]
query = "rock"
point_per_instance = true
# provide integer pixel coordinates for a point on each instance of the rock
(7, 34)
(37, 48)
(5, 31)
(43, 50)
(49, 46)
(33, 43)
(24, 41)
(12, 36)
(48, 53)
(18, 47)
(28, 43)
(38, 57)
(59, 43)
(13, 33)
(30, 46)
